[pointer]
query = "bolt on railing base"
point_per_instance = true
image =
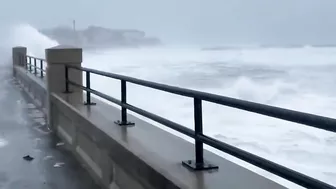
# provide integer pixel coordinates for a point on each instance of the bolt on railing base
(90, 103)
(121, 123)
(191, 164)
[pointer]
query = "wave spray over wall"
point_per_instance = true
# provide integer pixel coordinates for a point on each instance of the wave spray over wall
(28, 36)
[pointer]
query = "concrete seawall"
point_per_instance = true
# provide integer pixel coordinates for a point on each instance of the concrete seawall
(139, 157)
(34, 86)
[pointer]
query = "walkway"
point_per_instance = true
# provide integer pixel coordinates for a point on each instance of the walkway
(23, 132)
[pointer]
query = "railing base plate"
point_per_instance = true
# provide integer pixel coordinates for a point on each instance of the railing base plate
(127, 124)
(191, 164)
(88, 104)
(67, 92)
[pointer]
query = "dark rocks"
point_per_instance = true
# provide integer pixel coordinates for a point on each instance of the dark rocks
(28, 158)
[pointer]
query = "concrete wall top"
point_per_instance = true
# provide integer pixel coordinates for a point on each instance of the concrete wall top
(20, 47)
(62, 54)
(64, 47)
(151, 154)
(21, 50)
(17, 60)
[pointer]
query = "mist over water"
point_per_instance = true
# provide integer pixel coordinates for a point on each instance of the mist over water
(295, 78)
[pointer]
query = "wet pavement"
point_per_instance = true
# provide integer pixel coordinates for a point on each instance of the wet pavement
(23, 132)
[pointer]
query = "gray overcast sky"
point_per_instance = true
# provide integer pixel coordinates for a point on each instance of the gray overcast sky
(240, 21)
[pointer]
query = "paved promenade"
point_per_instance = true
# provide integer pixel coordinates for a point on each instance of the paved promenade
(48, 165)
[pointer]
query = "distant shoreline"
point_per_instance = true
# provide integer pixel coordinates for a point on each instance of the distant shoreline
(95, 37)
(232, 47)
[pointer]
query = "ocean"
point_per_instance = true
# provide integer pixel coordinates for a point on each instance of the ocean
(301, 78)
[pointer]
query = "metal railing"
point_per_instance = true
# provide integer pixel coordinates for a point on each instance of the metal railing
(34, 65)
(199, 163)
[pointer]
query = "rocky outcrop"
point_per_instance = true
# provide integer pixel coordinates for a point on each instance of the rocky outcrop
(99, 37)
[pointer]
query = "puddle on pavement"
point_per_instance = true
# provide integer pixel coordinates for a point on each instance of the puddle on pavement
(47, 158)
(59, 164)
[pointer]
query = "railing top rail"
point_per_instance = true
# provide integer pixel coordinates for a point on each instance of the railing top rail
(270, 166)
(316, 121)
(200, 139)
(37, 68)
(28, 56)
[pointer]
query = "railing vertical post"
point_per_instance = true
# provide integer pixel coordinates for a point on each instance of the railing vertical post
(66, 79)
(124, 121)
(123, 100)
(198, 163)
(30, 64)
(88, 94)
(25, 61)
(198, 131)
(35, 68)
(41, 68)
(88, 86)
